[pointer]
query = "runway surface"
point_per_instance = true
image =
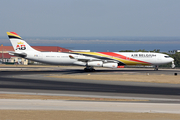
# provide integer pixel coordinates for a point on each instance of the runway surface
(33, 81)
(12, 104)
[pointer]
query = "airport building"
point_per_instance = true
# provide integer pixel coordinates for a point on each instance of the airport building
(9, 59)
(173, 51)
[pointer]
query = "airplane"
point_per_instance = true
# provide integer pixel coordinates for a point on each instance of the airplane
(87, 59)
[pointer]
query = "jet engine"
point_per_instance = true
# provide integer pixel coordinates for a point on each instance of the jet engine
(101, 64)
(110, 65)
(95, 63)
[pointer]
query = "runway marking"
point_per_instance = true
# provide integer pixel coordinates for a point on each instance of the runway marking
(13, 104)
(93, 96)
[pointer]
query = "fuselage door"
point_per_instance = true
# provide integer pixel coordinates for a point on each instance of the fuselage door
(127, 56)
(158, 59)
(38, 55)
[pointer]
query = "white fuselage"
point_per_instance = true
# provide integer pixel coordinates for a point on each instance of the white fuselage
(88, 59)
(64, 59)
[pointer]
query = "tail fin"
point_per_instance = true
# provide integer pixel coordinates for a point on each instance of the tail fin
(18, 43)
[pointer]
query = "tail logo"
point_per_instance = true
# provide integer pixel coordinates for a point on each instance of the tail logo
(20, 46)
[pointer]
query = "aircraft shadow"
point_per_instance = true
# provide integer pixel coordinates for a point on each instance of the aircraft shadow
(28, 84)
(71, 71)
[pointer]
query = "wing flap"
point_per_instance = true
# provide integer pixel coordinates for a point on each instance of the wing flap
(80, 59)
(83, 59)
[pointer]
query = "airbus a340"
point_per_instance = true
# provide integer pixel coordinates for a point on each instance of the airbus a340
(87, 59)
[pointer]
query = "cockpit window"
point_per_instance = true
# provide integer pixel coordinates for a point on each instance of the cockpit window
(166, 56)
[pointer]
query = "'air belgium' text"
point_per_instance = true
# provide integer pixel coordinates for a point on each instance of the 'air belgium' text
(143, 55)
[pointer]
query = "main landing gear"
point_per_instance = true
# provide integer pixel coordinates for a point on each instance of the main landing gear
(89, 69)
(156, 68)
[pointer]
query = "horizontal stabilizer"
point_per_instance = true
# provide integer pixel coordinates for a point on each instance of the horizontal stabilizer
(18, 54)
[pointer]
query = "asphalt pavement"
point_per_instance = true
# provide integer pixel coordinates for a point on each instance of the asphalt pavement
(33, 80)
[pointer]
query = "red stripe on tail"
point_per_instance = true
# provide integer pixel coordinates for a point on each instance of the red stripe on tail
(14, 33)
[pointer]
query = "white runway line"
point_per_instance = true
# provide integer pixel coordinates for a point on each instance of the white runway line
(19, 104)
(92, 96)
(12, 69)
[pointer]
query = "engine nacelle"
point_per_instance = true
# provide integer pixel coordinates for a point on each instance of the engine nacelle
(95, 63)
(110, 65)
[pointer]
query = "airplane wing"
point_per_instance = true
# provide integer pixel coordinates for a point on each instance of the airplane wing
(18, 54)
(80, 59)
(85, 59)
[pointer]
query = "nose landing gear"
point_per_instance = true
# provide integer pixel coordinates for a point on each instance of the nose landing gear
(173, 65)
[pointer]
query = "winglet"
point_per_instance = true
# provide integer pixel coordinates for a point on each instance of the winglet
(13, 35)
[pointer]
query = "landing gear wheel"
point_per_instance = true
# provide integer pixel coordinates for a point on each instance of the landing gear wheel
(89, 69)
(86, 70)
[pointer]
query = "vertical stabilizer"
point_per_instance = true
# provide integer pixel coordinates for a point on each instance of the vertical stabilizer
(18, 43)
